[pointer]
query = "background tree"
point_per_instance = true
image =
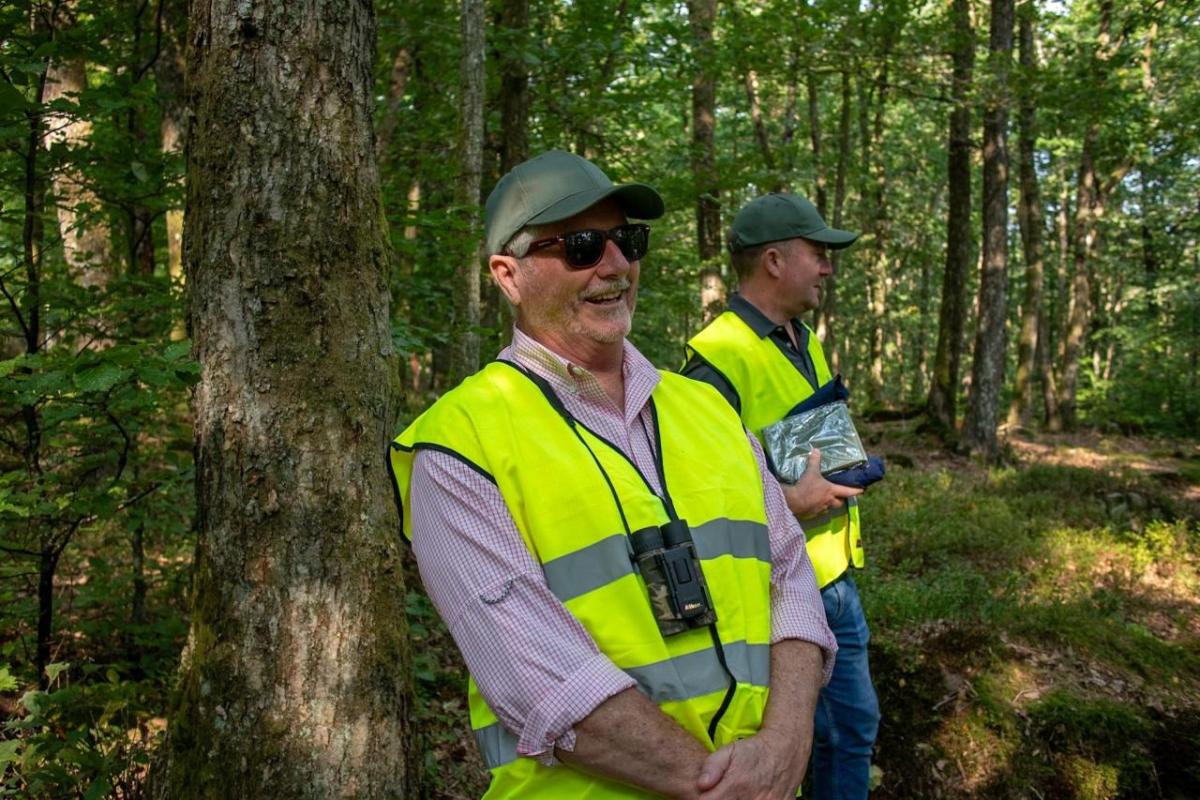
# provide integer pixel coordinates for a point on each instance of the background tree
(943, 392)
(987, 369)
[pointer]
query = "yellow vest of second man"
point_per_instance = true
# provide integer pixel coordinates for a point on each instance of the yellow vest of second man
(499, 423)
(769, 386)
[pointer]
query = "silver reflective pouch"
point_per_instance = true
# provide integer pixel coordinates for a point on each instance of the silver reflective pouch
(790, 441)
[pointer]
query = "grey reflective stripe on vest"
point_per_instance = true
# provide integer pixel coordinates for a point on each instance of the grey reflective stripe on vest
(497, 744)
(700, 673)
(607, 560)
(680, 678)
(736, 537)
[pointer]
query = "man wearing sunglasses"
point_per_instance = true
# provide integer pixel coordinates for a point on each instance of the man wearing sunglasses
(764, 360)
(615, 563)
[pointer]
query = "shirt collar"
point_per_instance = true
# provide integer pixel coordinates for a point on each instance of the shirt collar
(564, 376)
(760, 323)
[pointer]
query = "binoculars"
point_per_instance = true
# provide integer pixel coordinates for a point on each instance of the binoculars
(666, 558)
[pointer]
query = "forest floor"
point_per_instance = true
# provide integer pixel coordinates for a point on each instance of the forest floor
(1035, 627)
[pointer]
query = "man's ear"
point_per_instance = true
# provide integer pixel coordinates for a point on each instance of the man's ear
(504, 273)
(772, 261)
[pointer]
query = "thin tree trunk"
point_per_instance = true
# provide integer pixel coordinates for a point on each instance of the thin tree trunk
(1029, 215)
(1081, 291)
(987, 369)
(943, 394)
(701, 19)
(168, 80)
(878, 271)
(295, 679)
(85, 235)
(472, 80)
(514, 85)
(402, 65)
(750, 82)
(139, 227)
(829, 295)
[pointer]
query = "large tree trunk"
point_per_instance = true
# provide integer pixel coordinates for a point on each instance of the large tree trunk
(1029, 216)
(465, 355)
(943, 394)
(85, 236)
(702, 16)
(987, 371)
(295, 679)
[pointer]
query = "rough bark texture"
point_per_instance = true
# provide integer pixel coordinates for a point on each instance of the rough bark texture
(943, 394)
(987, 369)
(1029, 214)
(465, 354)
(294, 680)
(85, 236)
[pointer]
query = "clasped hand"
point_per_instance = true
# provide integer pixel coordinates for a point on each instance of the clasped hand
(765, 766)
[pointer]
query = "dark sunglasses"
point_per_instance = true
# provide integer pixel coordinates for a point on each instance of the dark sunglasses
(584, 248)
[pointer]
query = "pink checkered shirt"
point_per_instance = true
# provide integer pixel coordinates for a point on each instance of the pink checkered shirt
(536, 666)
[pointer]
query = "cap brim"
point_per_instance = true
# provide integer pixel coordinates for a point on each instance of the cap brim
(833, 237)
(638, 200)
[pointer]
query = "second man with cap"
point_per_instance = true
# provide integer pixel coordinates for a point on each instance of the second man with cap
(765, 361)
(619, 569)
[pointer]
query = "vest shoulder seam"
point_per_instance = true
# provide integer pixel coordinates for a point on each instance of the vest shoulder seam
(438, 448)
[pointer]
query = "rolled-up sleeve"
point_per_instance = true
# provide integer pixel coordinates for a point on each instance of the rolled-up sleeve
(536, 666)
(797, 611)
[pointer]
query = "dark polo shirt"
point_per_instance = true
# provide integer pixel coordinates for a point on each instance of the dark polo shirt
(699, 369)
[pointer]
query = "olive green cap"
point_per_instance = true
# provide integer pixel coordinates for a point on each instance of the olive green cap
(552, 187)
(778, 216)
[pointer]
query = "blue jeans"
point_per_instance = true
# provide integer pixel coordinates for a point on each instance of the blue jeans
(847, 716)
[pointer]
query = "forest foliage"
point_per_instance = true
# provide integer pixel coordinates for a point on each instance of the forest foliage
(845, 101)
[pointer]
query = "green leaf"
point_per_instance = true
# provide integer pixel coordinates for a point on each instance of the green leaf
(11, 100)
(34, 701)
(8, 750)
(139, 171)
(100, 378)
(56, 669)
(99, 788)
(7, 682)
(177, 350)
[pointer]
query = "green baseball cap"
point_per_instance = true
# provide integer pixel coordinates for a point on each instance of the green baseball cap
(554, 186)
(778, 216)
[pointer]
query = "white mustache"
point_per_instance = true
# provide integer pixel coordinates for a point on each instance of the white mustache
(616, 286)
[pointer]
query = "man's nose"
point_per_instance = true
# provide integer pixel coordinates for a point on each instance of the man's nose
(613, 262)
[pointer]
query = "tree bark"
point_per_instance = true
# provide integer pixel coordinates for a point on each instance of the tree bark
(702, 16)
(987, 370)
(880, 227)
(295, 679)
(514, 85)
(829, 337)
(472, 80)
(85, 235)
(1083, 242)
(1029, 216)
(943, 394)
(168, 80)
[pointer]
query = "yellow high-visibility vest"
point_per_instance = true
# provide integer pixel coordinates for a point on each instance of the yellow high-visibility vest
(769, 386)
(499, 423)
